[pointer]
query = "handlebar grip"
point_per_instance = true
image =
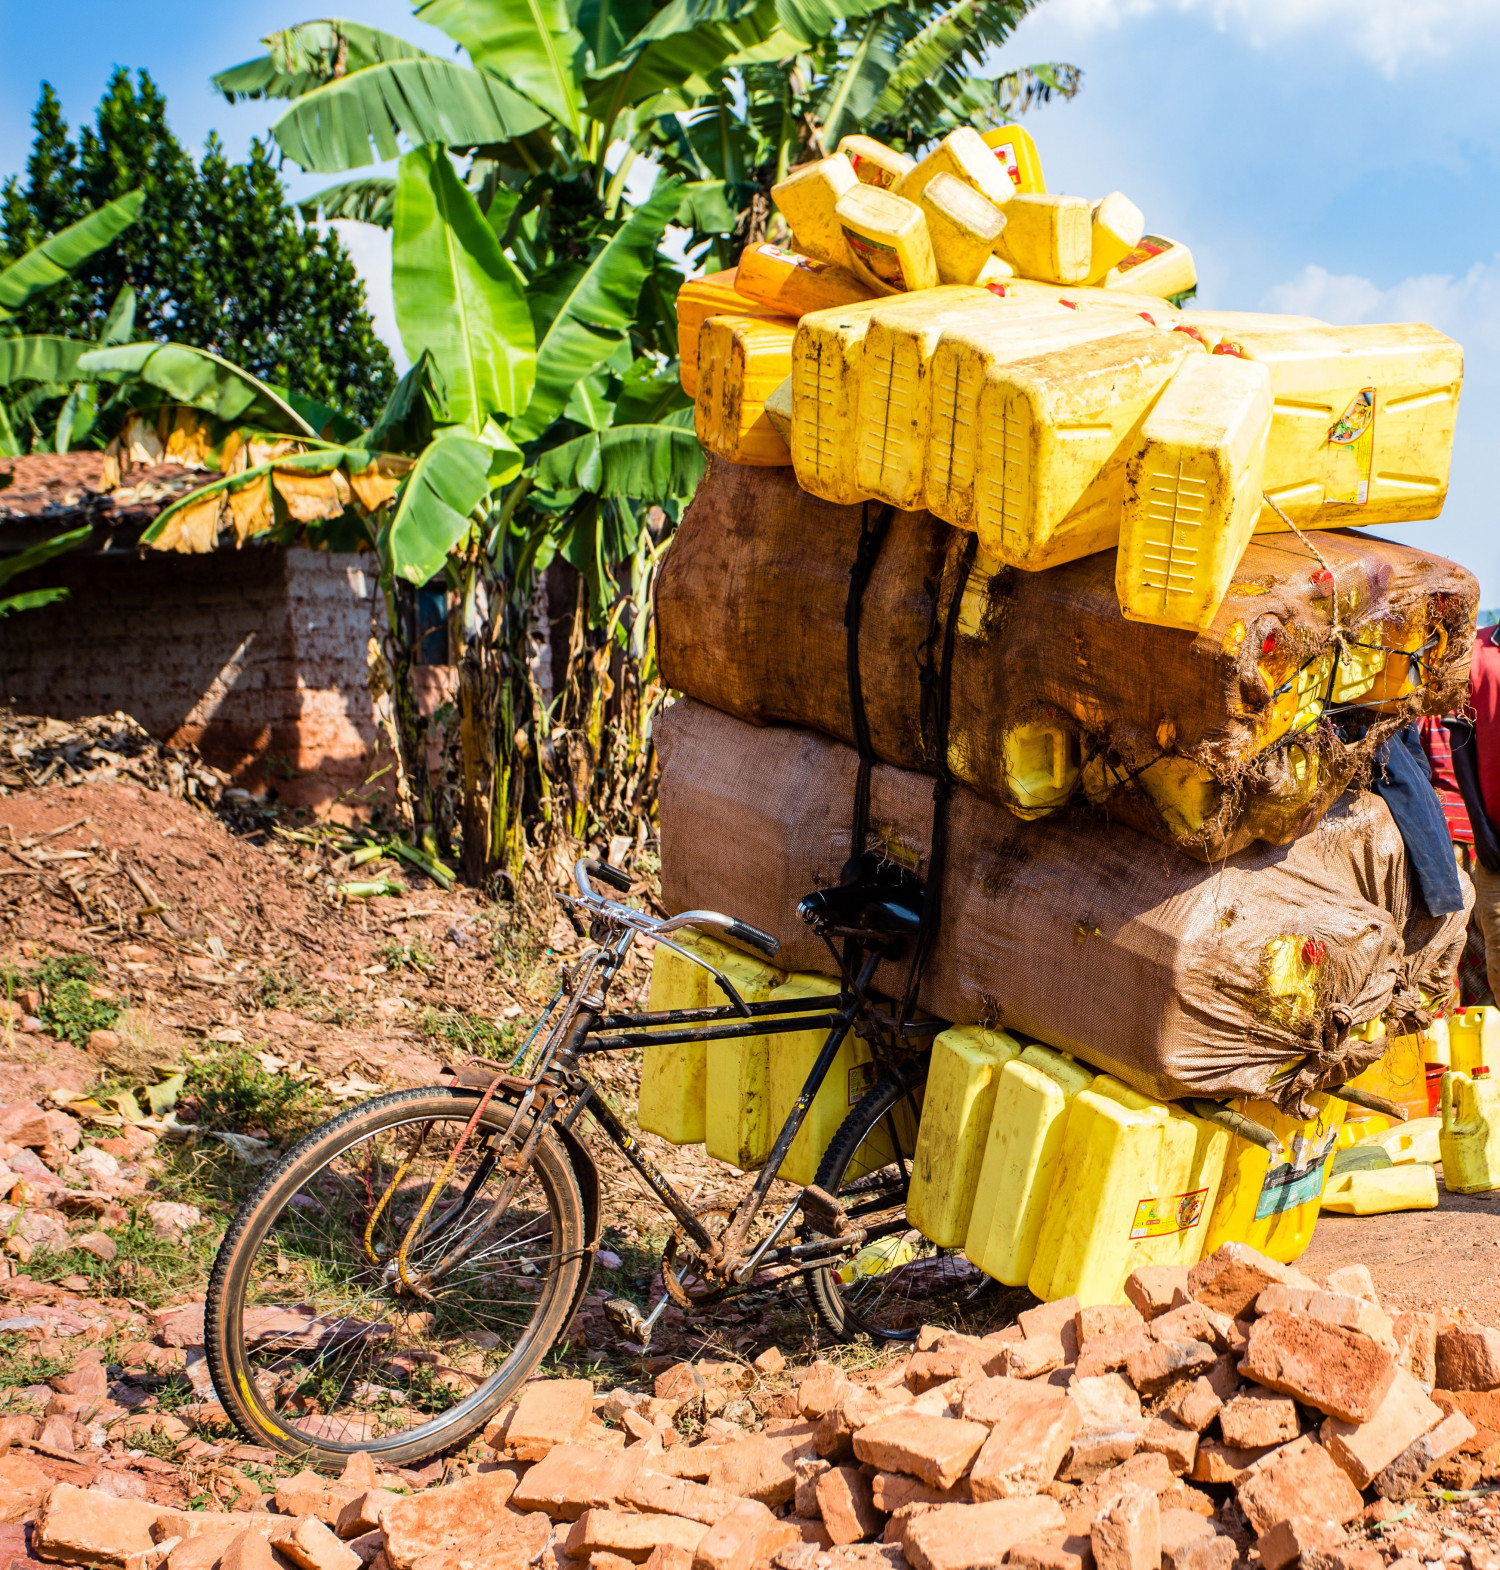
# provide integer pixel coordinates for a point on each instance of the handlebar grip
(608, 874)
(754, 937)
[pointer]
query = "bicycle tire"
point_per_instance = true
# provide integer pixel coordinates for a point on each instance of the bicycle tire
(837, 1305)
(229, 1361)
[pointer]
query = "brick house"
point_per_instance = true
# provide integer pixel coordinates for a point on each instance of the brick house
(255, 656)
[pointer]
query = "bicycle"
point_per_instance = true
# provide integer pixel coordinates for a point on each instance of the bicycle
(406, 1267)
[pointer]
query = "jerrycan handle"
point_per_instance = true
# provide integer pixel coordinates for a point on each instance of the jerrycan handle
(1446, 1105)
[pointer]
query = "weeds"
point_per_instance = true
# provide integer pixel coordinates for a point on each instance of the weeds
(468, 1032)
(282, 987)
(21, 1364)
(400, 956)
(67, 1006)
(148, 1267)
(231, 1091)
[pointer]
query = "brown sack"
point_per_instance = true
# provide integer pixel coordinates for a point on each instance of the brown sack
(1169, 730)
(1181, 979)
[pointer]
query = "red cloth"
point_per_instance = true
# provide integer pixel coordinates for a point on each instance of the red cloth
(1484, 699)
(1439, 752)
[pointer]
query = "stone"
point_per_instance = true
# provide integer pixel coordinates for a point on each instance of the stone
(171, 1220)
(1195, 1405)
(1416, 1346)
(978, 1537)
(1188, 1321)
(821, 1389)
(564, 1483)
(1258, 1417)
(1153, 1367)
(1030, 1433)
(1106, 1354)
(846, 1505)
(926, 1370)
(630, 1535)
(655, 1494)
(1422, 1457)
(549, 1412)
(84, 1526)
(436, 1522)
(248, 1550)
(1231, 1278)
(1216, 1463)
(762, 1466)
(1481, 1407)
(1110, 1426)
(1296, 1479)
(1126, 1534)
(1341, 1372)
(805, 1497)
(309, 1493)
(1355, 1280)
(1332, 1308)
(309, 1544)
(745, 1538)
(362, 1513)
(1403, 1416)
(1105, 1319)
(938, 1450)
(1286, 1542)
(1183, 1496)
(1049, 1319)
(100, 1244)
(24, 1123)
(680, 1383)
(770, 1361)
(1099, 1451)
(1468, 1358)
(1105, 1401)
(891, 1490)
(1165, 1436)
(1180, 1526)
(1152, 1289)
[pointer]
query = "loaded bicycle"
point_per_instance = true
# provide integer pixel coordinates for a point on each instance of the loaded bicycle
(406, 1267)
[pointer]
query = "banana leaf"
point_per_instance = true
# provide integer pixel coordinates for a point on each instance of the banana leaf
(433, 510)
(371, 200)
(51, 261)
(531, 45)
(200, 379)
(649, 463)
(306, 56)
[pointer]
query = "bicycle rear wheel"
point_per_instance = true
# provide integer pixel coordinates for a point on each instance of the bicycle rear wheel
(315, 1346)
(899, 1281)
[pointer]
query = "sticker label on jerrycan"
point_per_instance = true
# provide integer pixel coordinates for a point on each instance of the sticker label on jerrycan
(881, 259)
(861, 1077)
(1354, 433)
(1168, 1214)
(1296, 1181)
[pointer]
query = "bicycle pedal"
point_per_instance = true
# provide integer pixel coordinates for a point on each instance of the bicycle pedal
(628, 1320)
(823, 1212)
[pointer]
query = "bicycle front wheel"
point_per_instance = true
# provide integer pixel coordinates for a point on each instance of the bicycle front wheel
(899, 1281)
(318, 1347)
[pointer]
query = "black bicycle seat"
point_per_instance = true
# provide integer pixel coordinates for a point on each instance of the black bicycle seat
(873, 898)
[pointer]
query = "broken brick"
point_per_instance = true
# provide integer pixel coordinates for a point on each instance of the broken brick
(1416, 1346)
(978, 1537)
(821, 1388)
(1422, 1457)
(549, 1412)
(1231, 1278)
(1106, 1354)
(1332, 1308)
(939, 1450)
(1403, 1416)
(1165, 1436)
(1027, 1441)
(309, 1544)
(435, 1523)
(1126, 1534)
(1071, 1553)
(83, 1526)
(1152, 1289)
(747, 1537)
(1105, 1319)
(1468, 1358)
(362, 1513)
(631, 1536)
(1259, 1417)
(656, 1494)
(805, 1495)
(1155, 1366)
(846, 1505)
(1284, 1543)
(1194, 1405)
(1216, 1463)
(1341, 1372)
(1296, 1479)
(891, 1490)
(762, 1466)
(1355, 1280)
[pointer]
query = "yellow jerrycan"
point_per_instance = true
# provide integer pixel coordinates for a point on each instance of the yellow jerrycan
(1014, 150)
(1115, 230)
(1474, 1039)
(794, 285)
(1362, 427)
(894, 409)
(674, 1075)
(779, 410)
(874, 163)
(1273, 1206)
(1399, 1076)
(962, 154)
(791, 1058)
(737, 1078)
(962, 226)
(968, 354)
(1156, 266)
(956, 1113)
(1435, 1041)
(1193, 492)
(697, 300)
(827, 356)
(807, 198)
(1216, 326)
(1048, 237)
(1054, 435)
(1134, 1183)
(1470, 1138)
(886, 240)
(1021, 1154)
(1043, 760)
(1416, 1140)
(741, 362)
(1382, 1191)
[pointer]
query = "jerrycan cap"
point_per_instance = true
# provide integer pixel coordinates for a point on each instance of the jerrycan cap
(1480, 1071)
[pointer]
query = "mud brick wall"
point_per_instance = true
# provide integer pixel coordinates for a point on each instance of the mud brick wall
(256, 656)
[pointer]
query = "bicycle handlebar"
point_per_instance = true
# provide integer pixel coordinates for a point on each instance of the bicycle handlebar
(605, 874)
(754, 937)
(587, 867)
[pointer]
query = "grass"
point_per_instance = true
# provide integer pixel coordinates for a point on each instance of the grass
(68, 1007)
(229, 1091)
(468, 1032)
(149, 1268)
(21, 1364)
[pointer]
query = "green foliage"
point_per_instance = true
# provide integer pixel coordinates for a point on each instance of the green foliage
(51, 261)
(468, 1032)
(216, 256)
(231, 1091)
(434, 511)
(201, 380)
(68, 1007)
(35, 556)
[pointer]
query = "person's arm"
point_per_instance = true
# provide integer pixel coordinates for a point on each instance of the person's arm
(1466, 772)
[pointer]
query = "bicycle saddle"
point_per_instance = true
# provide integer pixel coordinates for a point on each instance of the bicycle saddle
(873, 898)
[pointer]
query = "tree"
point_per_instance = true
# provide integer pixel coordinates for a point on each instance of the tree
(217, 258)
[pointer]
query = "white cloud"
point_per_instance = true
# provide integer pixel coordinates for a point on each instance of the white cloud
(1385, 32)
(1466, 307)
(369, 249)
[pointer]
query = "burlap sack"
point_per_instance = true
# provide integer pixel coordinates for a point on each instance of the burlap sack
(1182, 979)
(750, 618)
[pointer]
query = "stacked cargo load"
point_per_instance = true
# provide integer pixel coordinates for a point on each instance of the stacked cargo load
(1045, 582)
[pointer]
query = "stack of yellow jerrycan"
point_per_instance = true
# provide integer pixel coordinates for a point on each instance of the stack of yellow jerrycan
(903, 344)
(733, 1096)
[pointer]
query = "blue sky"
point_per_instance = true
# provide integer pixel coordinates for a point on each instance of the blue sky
(1333, 157)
